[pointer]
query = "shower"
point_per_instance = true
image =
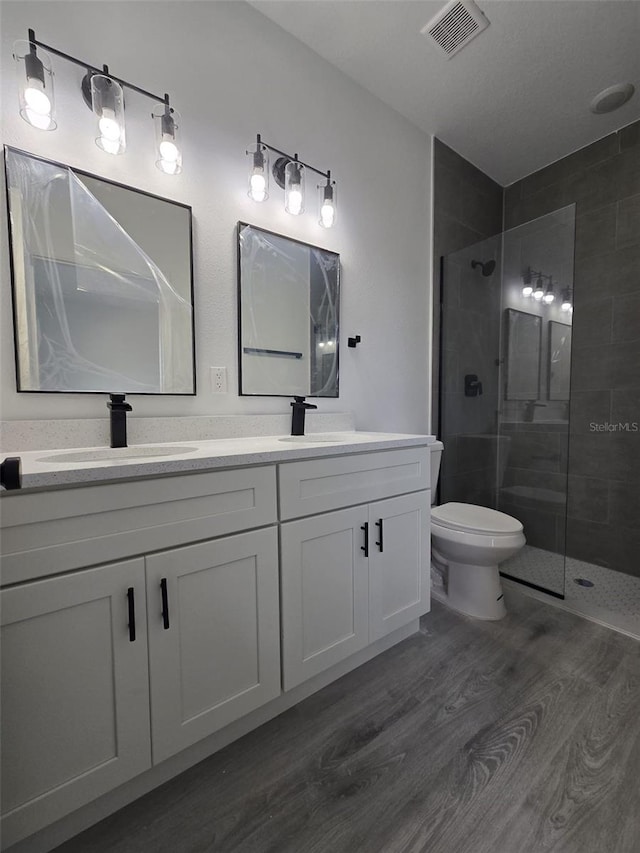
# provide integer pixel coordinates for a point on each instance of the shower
(487, 267)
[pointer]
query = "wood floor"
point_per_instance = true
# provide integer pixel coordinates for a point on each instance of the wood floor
(512, 737)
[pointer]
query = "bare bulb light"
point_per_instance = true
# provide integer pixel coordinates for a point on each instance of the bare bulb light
(167, 124)
(527, 290)
(35, 85)
(294, 187)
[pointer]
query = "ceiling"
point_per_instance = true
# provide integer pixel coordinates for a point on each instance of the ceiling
(513, 100)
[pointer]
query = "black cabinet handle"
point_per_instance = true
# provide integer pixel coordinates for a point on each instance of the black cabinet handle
(365, 547)
(165, 603)
(132, 614)
(380, 542)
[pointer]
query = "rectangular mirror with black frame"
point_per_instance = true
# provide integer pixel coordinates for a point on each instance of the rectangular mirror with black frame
(102, 281)
(288, 311)
(523, 339)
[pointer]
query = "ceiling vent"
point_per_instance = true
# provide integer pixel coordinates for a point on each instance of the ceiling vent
(455, 25)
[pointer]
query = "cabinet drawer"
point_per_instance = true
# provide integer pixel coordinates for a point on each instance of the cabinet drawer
(52, 532)
(319, 485)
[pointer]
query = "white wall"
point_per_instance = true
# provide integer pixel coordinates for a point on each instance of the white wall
(231, 73)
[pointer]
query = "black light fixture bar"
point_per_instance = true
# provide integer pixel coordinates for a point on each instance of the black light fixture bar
(295, 158)
(104, 70)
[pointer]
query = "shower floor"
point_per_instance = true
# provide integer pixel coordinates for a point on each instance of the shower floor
(614, 598)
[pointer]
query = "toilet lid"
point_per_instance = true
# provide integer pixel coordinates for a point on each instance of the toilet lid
(475, 519)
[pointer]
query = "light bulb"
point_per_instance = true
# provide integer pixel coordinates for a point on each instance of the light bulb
(527, 290)
(36, 98)
(548, 298)
(566, 306)
(39, 120)
(327, 214)
(258, 185)
(111, 146)
(538, 294)
(108, 126)
(169, 150)
(321, 344)
(169, 167)
(295, 200)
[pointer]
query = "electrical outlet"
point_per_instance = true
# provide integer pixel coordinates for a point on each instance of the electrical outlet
(219, 380)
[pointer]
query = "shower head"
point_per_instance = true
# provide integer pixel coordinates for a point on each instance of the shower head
(487, 267)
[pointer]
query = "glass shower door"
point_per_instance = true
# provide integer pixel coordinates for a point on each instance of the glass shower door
(504, 385)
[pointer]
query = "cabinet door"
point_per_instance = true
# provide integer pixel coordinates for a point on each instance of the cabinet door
(215, 653)
(75, 694)
(399, 557)
(325, 592)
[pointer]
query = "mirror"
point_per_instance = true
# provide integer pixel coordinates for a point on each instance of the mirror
(523, 355)
(559, 360)
(288, 305)
(102, 283)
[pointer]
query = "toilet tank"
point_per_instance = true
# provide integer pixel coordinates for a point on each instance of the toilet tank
(436, 455)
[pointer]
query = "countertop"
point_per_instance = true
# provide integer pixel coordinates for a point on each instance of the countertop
(49, 469)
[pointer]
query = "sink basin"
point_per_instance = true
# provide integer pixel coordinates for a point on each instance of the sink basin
(325, 438)
(108, 453)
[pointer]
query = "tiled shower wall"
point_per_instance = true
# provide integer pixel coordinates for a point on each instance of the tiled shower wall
(603, 180)
(467, 209)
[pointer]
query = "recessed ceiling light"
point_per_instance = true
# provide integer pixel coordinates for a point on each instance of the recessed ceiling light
(612, 98)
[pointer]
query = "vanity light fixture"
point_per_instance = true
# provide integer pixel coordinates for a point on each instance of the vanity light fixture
(294, 187)
(538, 291)
(35, 85)
(104, 95)
(566, 300)
(549, 295)
(289, 174)
(527, 288)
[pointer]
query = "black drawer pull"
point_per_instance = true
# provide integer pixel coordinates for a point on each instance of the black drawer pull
(365, 547)
(380, 542)
(165, 603)
(132, 614)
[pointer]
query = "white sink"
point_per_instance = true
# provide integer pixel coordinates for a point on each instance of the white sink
(324, 438)
(108, 453)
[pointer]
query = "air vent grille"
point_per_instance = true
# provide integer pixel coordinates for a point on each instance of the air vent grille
(455, 25)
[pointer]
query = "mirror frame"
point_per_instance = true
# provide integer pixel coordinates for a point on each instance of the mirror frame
(242, 393)
(12, 267)
(510, 394)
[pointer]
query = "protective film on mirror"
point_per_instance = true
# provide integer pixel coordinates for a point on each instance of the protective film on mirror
(289, 296)
(102, 283)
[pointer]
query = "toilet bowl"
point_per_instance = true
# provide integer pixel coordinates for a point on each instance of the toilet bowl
(468, 543)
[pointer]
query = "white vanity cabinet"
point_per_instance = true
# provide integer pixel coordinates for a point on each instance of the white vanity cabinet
(352, 576)
(91, 696)
(147, 622)
(75, 692)
(214, 636)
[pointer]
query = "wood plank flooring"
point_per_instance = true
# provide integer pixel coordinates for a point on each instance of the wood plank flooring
(519, 736)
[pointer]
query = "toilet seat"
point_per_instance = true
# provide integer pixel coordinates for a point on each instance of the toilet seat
(474, 519)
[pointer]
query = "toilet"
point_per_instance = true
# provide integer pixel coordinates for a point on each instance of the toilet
(468, 543)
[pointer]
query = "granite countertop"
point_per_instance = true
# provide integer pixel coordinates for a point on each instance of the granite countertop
(47, 469)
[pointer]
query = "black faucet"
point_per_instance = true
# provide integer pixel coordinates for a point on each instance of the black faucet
(119, 411)
(297, 416)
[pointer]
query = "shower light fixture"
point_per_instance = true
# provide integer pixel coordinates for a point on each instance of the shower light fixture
(104, 95)
(289, 174)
